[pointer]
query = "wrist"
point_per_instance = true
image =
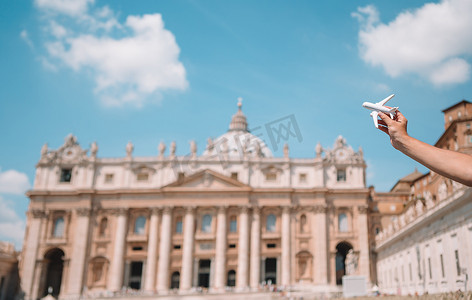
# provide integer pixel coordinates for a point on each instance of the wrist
(403, 143)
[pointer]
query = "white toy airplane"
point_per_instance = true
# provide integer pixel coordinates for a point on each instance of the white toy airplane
(379, 106)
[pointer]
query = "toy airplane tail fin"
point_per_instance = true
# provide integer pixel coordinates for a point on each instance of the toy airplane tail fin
(393, 112)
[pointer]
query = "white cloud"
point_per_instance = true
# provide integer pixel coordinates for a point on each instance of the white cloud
(25, 37)
(12, 227)
(455, 70)
(431, 41)
(67, 7)
(13, 182)
(130, 63)
(57, 30)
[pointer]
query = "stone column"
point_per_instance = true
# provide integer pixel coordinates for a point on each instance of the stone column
(220, 258)
(30, 251)
(319, 236)
(255, 248)
(150, 277)
(115, 276)
(80, 246)
(243, 249)
(286, 246)
(332, 268)
(187, 253)
(164, 251)
(363, 231)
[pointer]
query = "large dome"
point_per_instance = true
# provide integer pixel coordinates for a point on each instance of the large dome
(238, 141)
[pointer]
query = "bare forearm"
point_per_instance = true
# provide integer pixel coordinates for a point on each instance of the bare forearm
(455, 165)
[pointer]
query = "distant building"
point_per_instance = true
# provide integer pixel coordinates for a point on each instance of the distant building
(230, 219)
(9, 280)
(427, 248)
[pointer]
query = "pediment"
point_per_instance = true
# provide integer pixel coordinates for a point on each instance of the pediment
(207, 180)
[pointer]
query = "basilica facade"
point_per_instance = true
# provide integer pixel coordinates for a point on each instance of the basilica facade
(232, 218)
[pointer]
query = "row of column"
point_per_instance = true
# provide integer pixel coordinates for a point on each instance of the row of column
(244, 277)
(249, 250)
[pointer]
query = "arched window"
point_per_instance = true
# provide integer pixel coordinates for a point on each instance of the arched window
(303, 224)
(233, 224)
(206, 223)
(342, 222)
(178, 225)
(231, 278)
(140, 225)
(58, 227)
(270, 223)
(102, 229)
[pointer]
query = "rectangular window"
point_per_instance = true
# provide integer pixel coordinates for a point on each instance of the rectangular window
(177, 247)
(429, 266)
(271, 176)
(271, 245)
(108, 178)
(234, 175)
(341, 175)
(302, 178)
(178, 226)
(442, 265)
(143, 177)
(206, 246)
(411, 273)
(232, 246)
(233, 224)
(458, 265)
(66, 175)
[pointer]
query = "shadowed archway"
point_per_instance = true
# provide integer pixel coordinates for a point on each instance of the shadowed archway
(342, 249)
(54, 260)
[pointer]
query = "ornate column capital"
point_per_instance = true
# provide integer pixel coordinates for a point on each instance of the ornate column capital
(320, 209)
(244, 209)
(256, 210)
(190, 209)
(119, 211)
(83, 211)
(222, 209)
(167, 209)
(37, 213)
(362, 209)
(286, 209)
(155, 210)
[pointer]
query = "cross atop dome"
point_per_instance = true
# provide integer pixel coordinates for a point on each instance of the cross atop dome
(238, 122)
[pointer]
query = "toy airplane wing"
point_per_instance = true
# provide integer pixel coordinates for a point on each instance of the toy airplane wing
(385, 100)
(374, 115)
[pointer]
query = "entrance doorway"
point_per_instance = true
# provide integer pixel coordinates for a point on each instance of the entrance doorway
(55, 264)
(135, 275)
(175, 280)
(342, 250)
(204, 273)
(271, 270)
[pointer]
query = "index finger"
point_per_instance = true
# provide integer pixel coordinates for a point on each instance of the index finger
(385, 118)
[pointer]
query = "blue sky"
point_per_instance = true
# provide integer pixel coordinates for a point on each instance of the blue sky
(152, 71)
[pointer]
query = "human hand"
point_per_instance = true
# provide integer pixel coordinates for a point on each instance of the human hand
(396, 128)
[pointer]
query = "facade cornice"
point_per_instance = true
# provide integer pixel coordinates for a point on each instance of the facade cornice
(349, 191)
(187, 190)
